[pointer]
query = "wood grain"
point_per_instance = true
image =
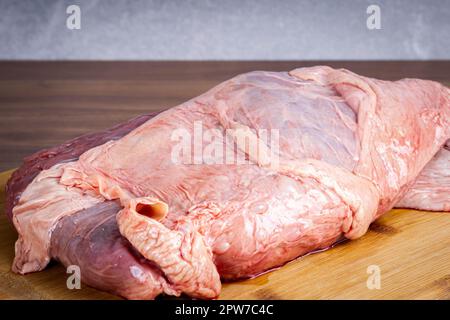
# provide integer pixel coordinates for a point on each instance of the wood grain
(47, 103)
(411, 248)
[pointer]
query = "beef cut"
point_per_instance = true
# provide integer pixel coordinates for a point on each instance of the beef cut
(260, 170)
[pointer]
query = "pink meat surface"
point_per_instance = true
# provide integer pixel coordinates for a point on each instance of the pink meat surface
(155, 220)
(431, 190)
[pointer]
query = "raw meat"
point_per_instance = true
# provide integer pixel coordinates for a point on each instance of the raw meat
(431, 190)
(68, 151)
(140, 223)
(91, 240)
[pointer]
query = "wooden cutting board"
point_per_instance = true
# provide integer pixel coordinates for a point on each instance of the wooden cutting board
(410, 249)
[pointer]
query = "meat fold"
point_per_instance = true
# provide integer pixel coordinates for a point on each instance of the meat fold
(91, 240)
(431, 190)
(68, 151)
(349, 149)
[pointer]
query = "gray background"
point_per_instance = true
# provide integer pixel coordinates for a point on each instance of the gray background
(225, 30)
